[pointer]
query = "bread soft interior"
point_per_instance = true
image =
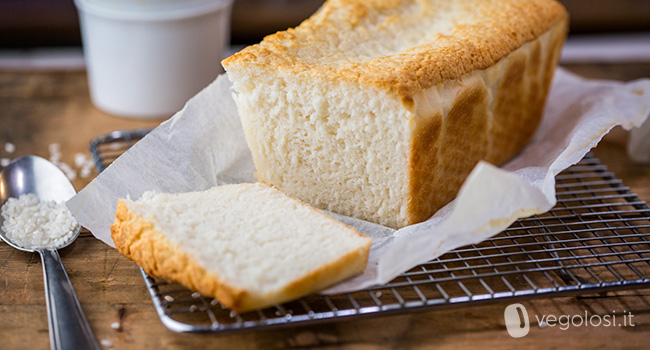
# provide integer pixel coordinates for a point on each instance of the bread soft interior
(249, 245)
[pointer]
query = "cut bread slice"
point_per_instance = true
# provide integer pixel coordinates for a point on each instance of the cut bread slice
(248, 245)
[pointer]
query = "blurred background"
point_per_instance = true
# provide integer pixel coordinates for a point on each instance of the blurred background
(52, 23)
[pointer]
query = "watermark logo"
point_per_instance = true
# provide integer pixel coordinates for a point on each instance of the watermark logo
(518, 325)
(517, 322)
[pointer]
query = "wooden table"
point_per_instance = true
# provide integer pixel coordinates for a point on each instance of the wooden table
(41, 108)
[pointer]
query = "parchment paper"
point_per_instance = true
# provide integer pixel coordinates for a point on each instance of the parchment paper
(203, 145)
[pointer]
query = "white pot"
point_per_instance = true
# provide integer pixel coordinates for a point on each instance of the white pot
(145, 59)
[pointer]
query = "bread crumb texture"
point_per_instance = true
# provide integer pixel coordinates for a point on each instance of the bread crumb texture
(248, 245)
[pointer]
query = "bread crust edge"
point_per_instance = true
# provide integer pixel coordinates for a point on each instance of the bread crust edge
(137, 239)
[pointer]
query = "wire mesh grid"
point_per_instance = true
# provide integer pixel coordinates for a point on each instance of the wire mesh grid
(596, 239)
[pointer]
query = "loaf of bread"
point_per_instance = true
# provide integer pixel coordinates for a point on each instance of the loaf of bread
(379, 109)
(248, 245)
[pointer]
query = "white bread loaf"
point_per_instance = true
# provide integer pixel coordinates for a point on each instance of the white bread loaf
(379, 109)
(248, 245)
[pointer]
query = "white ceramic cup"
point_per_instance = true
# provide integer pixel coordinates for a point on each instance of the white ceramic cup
(146, 58)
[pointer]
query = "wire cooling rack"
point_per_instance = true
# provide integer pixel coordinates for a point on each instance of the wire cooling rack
(596, 239)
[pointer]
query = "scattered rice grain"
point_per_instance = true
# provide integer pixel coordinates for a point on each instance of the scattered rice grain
(10, 147)
(67, 170)
(80, 159)
(55, 153)
(85, 172)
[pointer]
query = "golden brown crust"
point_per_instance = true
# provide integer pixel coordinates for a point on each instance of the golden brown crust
(137, 240)
(504, 26)
(460, 143)
(443, 153)
(516, 107)
(423, 186)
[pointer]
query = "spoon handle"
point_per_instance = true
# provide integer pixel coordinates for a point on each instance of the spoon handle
(68, 326)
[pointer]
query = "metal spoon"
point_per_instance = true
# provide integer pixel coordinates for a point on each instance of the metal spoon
(31, 174)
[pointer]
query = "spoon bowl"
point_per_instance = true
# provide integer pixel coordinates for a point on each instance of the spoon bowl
(33, 174)
(68, 326)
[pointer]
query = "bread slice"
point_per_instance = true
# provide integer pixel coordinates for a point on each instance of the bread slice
(248, 245)
(379, 109)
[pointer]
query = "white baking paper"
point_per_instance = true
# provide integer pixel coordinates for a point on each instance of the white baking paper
(203, 145)
(638, 144)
